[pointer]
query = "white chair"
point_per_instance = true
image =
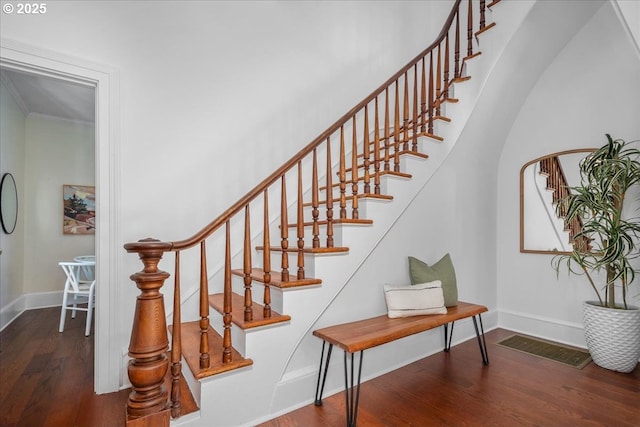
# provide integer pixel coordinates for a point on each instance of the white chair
(87, 270)
(77, 292)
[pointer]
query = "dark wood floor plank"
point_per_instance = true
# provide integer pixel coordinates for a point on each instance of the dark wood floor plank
(455, 389)
(47, 376)
(46, 379)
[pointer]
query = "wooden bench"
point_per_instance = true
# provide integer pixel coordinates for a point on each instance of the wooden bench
(361, 335)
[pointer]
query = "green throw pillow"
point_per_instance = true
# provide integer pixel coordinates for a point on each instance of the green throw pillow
(442, 270)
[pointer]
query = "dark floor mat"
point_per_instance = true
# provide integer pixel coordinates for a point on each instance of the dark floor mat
(548, 349)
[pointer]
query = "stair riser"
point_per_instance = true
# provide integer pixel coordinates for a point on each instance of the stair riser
(238, 336)
(257, 293)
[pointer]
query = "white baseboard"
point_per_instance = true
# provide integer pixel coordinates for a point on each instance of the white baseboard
(42, 300)
(542, 327)
(11, 311)
(32, 301)
(303, 381)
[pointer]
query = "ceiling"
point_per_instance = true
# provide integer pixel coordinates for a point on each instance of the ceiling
(50, 96)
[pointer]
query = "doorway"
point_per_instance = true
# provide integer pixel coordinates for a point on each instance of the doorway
(17, 57)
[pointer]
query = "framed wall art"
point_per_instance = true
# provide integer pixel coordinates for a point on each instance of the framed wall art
(79, 203)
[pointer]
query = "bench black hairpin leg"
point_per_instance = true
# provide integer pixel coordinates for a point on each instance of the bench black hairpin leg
(319, 388)
(448, 336)
(352, 393)
(481, 341)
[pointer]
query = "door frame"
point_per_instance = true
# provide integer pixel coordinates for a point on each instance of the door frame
(20, 57)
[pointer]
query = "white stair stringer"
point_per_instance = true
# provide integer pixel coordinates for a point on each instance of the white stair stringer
(286, 356)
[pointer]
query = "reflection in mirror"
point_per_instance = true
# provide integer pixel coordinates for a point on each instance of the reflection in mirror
(8, 203)
(543, 182)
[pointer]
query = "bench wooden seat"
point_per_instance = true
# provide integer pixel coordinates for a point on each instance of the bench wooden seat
(361, 335)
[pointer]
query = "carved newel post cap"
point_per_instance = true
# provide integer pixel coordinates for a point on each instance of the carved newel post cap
(148, 244)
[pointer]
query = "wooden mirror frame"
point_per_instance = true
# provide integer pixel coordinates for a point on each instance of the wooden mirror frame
(523, 249)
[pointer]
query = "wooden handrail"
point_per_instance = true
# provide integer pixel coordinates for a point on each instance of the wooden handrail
(271, 179)
(417, 105)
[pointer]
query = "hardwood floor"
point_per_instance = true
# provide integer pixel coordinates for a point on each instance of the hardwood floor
(454, 389)
(46, 379)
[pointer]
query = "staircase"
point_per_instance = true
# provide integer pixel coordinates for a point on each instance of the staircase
(272, 263)
(556, 183)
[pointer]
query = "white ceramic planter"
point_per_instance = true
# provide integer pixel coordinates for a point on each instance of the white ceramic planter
(613, 336)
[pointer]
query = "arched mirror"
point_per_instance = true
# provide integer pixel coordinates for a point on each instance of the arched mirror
(8, 203)
(543, 182)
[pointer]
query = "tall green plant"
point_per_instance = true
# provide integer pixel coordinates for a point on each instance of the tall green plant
(606, 175)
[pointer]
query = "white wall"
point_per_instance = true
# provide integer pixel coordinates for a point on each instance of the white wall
(58, 152)
(630, 10)
(12, 155)
(204, 83)
(43, 153)
(591, 88)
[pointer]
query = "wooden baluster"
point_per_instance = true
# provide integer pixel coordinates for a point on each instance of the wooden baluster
(470, 30)
(266, 259)
(176, 343)
(386, 130)
(226, 305)
(438, 79)
(423, 100)
(366, 154)
(149, 340)
(405, 136)
(354, 170)
(315, 212)
(329, 174)
(482, 9)
(396, 131)
(248, 298)
(204, 309)
(445, 78)
(300, 225)
(284, 231)
(414, 137)
(431, 98)
(457, 70)
(376, 152)
(343, 177)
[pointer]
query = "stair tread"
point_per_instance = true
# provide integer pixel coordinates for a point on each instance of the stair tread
(486, 27)
(308, 250)
(360, 196)
(416, 154)
(349, 180)
(401, 152)
(343, 221)
(187, 402)
(257, 274)
(237, 312)
(191, 352)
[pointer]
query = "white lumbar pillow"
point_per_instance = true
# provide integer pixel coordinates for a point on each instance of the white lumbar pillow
(415, 300)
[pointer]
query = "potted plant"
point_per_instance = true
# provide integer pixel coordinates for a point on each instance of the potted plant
(603, 251)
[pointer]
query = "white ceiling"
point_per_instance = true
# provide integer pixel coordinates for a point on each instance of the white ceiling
(50, 96)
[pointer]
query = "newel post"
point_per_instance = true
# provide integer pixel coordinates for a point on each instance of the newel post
(148, 403)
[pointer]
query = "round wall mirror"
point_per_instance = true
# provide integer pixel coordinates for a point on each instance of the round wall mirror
(8, 203)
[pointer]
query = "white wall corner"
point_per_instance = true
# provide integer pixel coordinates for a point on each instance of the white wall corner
(11, 311)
